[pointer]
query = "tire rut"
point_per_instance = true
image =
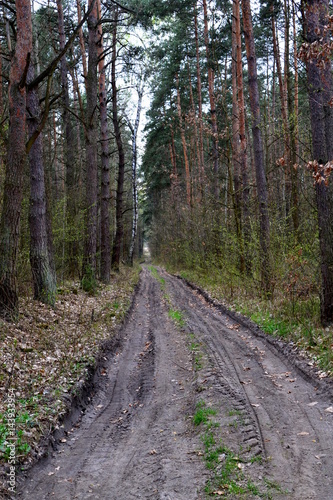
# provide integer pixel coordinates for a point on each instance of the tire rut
(283, 416)
(134, 440)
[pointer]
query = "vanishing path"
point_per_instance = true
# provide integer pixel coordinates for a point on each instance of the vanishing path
(137, 440)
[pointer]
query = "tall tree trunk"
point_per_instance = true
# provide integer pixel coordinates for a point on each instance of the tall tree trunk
(82, 44)
(243, 141)
(183, 138)
(320, 94)
(105, 177)
(69, 149)
(134, 131)
(258, 148)
(1, 116)
(196, 148)
(199, 90)
(116, 251)
(89, 268)
(13, 192)
(1, 90)
(292, 127)
(215, 151)
(43, 272)
(236, 144)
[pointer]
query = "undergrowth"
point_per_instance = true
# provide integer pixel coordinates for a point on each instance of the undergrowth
(292, 314)
(46, 356)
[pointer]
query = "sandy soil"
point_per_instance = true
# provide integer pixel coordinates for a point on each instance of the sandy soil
(137, 440)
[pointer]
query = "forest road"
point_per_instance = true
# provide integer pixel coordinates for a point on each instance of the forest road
(137, 439)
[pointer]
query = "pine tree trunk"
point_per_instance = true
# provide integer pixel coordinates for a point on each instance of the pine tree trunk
(69, 145)
(183, 138)
(43, 273)
(196, 145)
(199, 90)
(320, 94)
(215, 152)
(116, 251)
(243, 141)
(134, 175)
(82, 44)
(291, 125)
(236, 145)
(105, 177)
(89, 267)
(13, 192)
(258, 148)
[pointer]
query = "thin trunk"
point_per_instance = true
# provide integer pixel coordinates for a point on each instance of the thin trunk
(293, 134)
(105, 177)
(182, 134)
(197, 153)
(236, 145)
(82, 44)
(320, 93)
(116, 251)
(296, 97)
(199, 90)
(1, 91)
(43, 273)
(215, 152)
(89, 267)
(69, 145)
(13, 192)
(134, 174)
(1, 114)
(281, 89)
(258, 149)
(285, 124)
(243, 141)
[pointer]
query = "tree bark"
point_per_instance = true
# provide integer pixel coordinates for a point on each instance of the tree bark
(70, 146)
(258, 148)
(82, 44)
(320, 94)
(134, 131)
(105, 177)
(183, 138)
(199, 90)
(215, 151)
(13, 192)
(43, 272)
(89, 267)
(116, 251)
(243, 141)
(236, 144)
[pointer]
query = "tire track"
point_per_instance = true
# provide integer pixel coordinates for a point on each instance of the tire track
(134, 440)
(285, 418)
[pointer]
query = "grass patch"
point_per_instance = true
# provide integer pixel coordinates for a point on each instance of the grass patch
(177, 316)
(228, 478)
(156, 275)
(202, 414)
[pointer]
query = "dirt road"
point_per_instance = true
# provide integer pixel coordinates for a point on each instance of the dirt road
(137, 440)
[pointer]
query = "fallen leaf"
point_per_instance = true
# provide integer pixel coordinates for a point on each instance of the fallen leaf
(219, 492)
(254, 405)
(51, 474)
(153, 452)
(313, 404)
(302, 433)
(329, 409)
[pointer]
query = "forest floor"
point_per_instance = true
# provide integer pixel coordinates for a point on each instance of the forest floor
(47, 361)
(193, 403)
